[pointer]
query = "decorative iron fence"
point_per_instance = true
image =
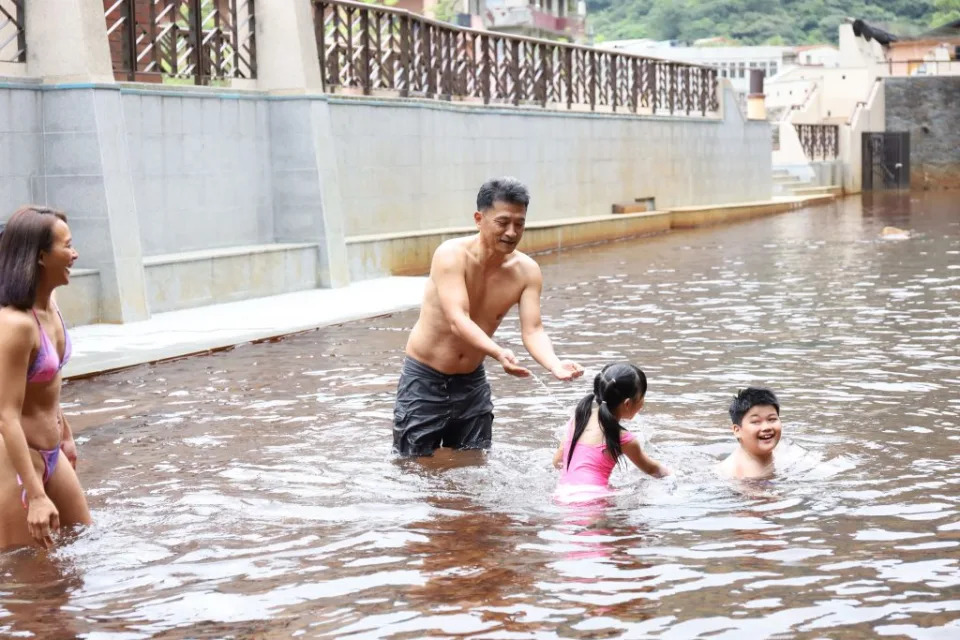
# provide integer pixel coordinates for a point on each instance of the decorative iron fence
(367, 48)
(202, 40)
(819, 141)
(13, 33)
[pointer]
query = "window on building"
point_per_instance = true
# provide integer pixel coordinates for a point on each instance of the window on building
(773, 68)
(740, 70)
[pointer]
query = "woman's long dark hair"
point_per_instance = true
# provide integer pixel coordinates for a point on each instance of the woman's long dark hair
(614, 384)
(28, 232)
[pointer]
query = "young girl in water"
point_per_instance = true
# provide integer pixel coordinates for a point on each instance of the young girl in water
(595, 440)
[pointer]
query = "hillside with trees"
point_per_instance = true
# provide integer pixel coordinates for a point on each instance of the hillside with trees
(752, 22)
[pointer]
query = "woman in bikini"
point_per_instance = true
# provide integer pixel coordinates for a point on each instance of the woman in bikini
(38, 491)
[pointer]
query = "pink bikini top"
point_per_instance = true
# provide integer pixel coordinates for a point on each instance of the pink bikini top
(47, 364)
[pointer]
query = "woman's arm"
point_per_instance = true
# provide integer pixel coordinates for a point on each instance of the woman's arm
(16, 342)
(645, 463)
(67, 443)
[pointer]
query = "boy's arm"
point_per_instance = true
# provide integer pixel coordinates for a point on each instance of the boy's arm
(645, 463)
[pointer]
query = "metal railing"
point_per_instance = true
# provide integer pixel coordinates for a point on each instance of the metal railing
(819, 141)
(370, 48)
(202, 40)
(13, 33)
(923, 68)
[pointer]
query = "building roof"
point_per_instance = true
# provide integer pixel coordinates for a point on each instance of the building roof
(814, 47)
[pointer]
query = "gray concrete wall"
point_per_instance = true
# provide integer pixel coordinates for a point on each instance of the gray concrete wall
(176, 195)
(201, 170)
(929, 109)
(306, 187)
(417, 165)
(66, 148)
(21, 143)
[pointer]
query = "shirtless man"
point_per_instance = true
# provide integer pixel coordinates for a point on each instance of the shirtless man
(443, 398)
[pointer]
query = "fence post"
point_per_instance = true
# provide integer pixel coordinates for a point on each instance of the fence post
(131, 40)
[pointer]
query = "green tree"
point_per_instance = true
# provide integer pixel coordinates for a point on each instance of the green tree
(445, 10)
(667, 20)
(759, 21)
(945, 11)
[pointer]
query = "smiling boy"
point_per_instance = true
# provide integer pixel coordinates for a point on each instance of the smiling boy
(755, 413)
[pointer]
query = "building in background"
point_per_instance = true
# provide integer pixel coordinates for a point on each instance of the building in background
(733, 62)
(550, 19)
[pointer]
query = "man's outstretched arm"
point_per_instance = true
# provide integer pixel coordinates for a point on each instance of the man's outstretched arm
(535, 338)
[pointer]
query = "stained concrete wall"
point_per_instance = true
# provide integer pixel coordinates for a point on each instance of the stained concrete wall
(21, 145)
(409, 165)
(179, 196)
(929, 109)
(200, 169)
(66, 148)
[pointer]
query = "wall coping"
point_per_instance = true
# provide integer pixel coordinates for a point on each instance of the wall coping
(224, 252)
(540, 224)
(238, 93)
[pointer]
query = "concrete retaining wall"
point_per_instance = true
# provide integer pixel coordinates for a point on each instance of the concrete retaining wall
(179, 196)
(409, 165)
(928, 108)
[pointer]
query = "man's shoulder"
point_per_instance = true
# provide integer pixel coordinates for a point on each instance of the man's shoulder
(520, 260)
(452, 247)
(450, 252)
(526, 266)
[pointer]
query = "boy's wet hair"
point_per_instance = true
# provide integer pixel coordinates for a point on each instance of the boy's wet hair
(749, 398)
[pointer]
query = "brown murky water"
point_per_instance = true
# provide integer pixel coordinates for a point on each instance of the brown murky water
(251, 493)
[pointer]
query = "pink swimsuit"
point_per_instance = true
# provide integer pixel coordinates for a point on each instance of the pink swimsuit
(590, 467)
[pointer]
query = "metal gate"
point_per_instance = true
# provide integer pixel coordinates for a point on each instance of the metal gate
(886, 160)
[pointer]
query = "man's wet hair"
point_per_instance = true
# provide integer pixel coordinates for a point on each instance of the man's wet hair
(509, 190)
(749, 398)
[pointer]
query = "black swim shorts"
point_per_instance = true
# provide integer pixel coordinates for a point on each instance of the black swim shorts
(434, 409)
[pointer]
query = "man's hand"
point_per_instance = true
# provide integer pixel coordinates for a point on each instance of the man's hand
(509, 363)
(69, 448)
(567, 370)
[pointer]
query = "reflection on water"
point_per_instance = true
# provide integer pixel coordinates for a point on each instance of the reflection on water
(251, 493)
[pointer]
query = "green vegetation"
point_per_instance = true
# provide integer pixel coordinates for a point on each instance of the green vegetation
(946, 11)
(752, 22)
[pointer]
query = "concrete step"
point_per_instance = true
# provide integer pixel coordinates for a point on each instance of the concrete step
(787, 179)
(817, 190)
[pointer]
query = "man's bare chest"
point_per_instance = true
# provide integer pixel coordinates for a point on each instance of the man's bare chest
(492, 297)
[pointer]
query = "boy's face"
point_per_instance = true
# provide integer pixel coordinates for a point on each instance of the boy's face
(759, 431)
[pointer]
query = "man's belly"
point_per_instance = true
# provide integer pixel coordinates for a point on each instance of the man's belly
(445, 353)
